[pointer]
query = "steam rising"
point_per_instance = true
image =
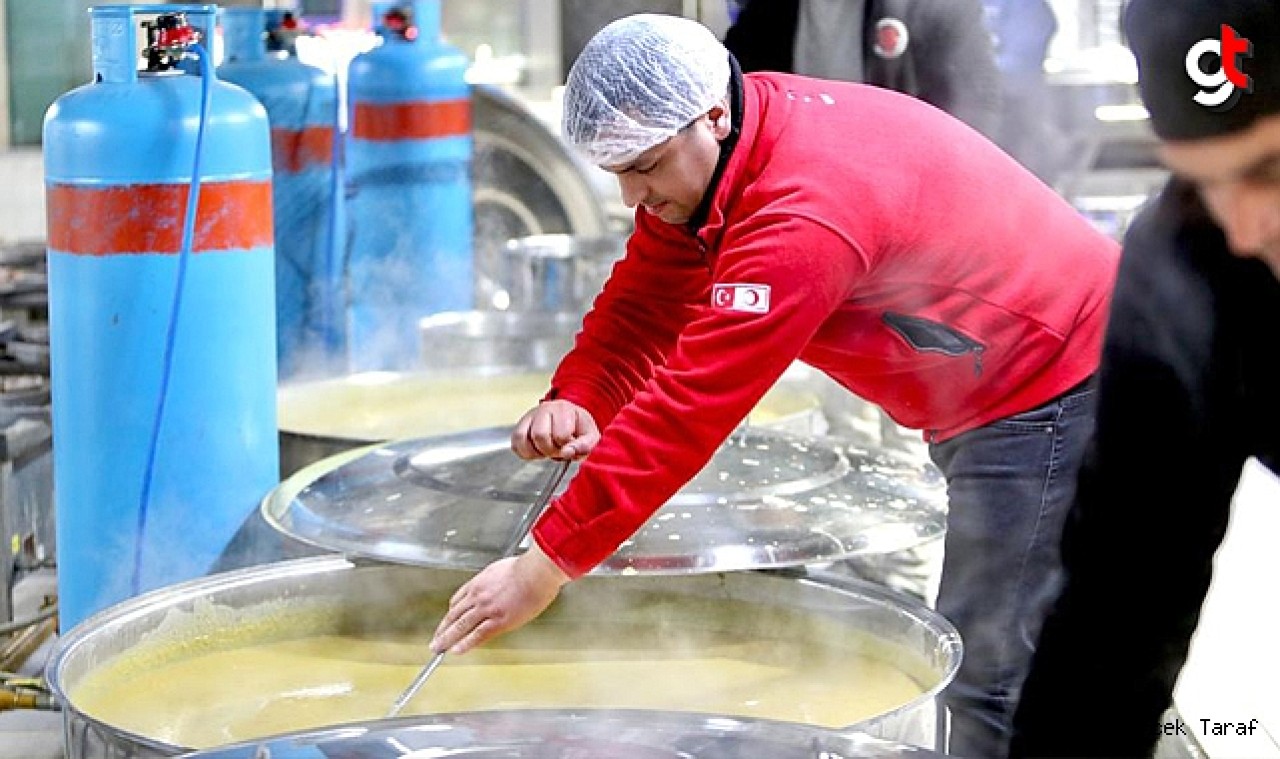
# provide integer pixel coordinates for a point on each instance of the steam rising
(358, 635)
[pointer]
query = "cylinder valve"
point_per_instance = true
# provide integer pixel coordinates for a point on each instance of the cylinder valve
(169, 37)
(283, 33)
(399, 21)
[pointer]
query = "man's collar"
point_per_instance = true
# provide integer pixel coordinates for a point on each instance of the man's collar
(700, 214)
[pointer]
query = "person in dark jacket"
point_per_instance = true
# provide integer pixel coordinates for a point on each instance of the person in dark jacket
(937, 50)
(1189, 385)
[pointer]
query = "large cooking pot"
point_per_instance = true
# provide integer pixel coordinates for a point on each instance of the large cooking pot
(324, 641)
(564, 734)
(558, 272)
(526, 182)
(320, 418)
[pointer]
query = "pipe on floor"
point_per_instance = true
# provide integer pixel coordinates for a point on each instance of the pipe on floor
(29, 638)
(25, 699)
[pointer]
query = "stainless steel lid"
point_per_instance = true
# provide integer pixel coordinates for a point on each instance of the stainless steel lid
(766, 499)
(557, 734)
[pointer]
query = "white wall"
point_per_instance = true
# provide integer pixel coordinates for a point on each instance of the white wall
(21, 195)
(1234, 666)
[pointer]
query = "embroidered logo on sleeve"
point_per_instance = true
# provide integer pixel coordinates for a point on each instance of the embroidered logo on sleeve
(752, 299)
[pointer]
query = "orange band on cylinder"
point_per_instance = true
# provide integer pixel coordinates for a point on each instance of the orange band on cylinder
(293, 150)
(148, 218)
(411, 121)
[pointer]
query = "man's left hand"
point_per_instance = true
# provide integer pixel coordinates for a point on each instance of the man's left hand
(504, 596)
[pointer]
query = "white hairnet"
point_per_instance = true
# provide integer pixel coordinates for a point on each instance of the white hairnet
(637, 82)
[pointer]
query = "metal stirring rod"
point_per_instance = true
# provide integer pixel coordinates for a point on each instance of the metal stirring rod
(522, 528)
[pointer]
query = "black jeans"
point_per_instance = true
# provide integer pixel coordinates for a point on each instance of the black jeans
(1009, 485)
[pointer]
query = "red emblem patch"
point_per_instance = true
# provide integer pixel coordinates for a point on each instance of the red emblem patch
(891, 38)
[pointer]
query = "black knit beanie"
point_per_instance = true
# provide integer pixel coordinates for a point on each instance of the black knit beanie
(1236, 37)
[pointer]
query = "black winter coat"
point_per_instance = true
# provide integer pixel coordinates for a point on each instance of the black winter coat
(1189, 389)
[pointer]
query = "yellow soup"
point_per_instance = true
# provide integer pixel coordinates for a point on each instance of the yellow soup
(379, 406)
(180, 693)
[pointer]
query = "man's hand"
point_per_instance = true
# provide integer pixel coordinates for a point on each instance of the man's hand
(503, 596)
(556, 430)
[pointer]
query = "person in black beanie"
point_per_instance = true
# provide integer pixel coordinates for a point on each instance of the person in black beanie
(1189, 385)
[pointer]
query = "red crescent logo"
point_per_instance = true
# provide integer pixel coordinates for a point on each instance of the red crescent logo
(891, 38)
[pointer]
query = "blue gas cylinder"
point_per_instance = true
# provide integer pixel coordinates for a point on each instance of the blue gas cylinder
(162, 354)
(302, 106)
(408, 174)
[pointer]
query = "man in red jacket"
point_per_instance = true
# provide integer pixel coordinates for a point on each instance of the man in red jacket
(864, 232)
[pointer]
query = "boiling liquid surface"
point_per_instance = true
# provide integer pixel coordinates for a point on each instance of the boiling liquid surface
(376, 407)
(264, 689)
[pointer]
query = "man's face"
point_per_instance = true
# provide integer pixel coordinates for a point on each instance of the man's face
(1238, 177)
(670, 178)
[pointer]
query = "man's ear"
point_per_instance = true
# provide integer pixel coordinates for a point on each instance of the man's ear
(721, 119)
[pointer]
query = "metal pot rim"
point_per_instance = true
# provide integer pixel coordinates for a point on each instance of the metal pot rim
(947, 639)
(490, 730)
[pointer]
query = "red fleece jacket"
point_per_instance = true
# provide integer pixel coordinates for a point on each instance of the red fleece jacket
(862, 231)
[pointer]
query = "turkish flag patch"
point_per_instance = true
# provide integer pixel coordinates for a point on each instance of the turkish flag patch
(752, 299)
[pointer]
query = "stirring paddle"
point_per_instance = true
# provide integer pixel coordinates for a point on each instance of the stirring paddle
(522, 528)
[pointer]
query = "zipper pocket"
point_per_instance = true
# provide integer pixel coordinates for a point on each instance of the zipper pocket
(929, 336)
